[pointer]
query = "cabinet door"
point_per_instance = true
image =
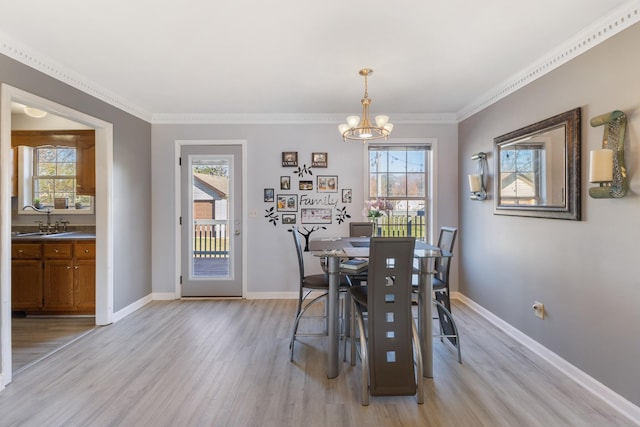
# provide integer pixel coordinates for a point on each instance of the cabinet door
(58, 285)
(86, 168)
(26, 285)
(85, 286)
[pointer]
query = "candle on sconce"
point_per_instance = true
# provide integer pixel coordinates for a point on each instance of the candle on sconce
(475, 183)
(601, 165)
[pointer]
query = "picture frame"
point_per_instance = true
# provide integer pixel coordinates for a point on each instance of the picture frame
(268, 194)
(288, 218)
(327, 184)
(289, 159)
(347, 195)
(316, 215)
(287, 202)
(285, 183)
(319, 160)
(305, 185)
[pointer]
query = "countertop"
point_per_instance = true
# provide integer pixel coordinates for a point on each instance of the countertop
(42, 237)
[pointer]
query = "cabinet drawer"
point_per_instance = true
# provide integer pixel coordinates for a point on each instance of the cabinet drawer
(58, 250)
(26, 250)
(85, 250)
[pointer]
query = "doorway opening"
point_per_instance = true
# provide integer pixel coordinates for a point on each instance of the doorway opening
(103, 213)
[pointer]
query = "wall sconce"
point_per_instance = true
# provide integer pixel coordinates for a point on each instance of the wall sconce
(607, 164)
(476, 181)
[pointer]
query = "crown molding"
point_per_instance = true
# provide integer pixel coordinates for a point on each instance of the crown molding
(601, 30)
(40, 62)
(258, 119)
(621, 18)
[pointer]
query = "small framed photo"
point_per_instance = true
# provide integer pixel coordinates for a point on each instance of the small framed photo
(268, 194)
(288, 218)
(305, 185)
(315, 215)
(319, 160)
(287, 202)
(347, 195)
(285, 183)
(289, 159)
(327, 184)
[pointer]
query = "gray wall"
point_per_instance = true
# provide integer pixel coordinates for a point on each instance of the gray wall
(131, 177)
(270, 259)
(586, 273)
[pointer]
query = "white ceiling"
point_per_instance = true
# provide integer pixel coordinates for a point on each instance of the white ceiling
(161, 59)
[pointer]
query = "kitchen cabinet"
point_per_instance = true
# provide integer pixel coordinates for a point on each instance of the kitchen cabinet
(85, 166)
(84, 277)
(58, 277)
(54, 277)
(26, 276)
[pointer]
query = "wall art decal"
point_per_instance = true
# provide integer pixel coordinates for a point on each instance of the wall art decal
(342, 214)
(272, 216)
(304, 170)
(306, 233)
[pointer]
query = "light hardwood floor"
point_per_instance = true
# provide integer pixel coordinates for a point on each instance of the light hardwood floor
(35, 338)
(225, 363)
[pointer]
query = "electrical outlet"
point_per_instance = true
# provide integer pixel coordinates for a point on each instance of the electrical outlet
(253, 213)
(538, 309)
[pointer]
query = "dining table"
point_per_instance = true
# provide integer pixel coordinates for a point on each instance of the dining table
(336, 248)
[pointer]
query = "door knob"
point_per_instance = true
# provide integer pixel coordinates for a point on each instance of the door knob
(236, 233)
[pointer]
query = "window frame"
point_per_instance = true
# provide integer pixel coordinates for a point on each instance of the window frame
(429, 147)
(25, 176)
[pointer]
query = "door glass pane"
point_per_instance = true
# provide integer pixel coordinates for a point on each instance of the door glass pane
(210, 217)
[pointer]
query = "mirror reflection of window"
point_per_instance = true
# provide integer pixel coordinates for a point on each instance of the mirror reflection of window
(521, 171)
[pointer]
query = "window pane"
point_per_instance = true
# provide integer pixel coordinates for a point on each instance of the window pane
(416, 185)
(397, 161)
(397, 185)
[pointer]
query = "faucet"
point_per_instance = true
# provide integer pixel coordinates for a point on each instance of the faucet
(47, 211)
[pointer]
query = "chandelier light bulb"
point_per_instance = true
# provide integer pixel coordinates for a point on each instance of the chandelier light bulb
(381, 121)
(353, 121)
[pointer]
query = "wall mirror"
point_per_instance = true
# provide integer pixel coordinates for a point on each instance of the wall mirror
(538, 169)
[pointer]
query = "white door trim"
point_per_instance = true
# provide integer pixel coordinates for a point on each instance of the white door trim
(104, 213)
(177, 212)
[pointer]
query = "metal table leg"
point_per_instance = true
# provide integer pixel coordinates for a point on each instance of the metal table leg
(425, 320)
(333, 268)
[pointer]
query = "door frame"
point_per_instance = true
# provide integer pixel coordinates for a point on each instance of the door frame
(177, 213)
(104, 213)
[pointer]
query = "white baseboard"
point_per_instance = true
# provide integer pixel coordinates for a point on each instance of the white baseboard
(163, 296)
(619, 403)
(121, 314)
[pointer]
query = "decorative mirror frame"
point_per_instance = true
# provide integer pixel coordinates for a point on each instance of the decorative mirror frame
(571, 208)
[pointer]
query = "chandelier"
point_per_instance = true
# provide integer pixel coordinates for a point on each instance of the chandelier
(361, 128)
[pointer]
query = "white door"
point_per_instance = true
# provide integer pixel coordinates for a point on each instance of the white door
(211, 206)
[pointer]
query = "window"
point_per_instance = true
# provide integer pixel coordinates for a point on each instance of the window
(49, 173)
(398, 174)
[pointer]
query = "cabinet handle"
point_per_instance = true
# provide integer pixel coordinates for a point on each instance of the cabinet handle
(20, 251)
(76, 267)
(56, 250)
(68, 268)
(86, 251)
